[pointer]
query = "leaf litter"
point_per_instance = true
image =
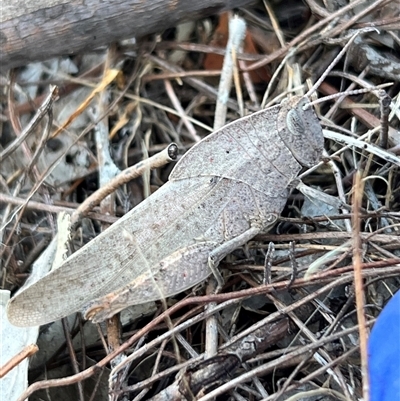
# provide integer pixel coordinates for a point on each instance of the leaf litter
(294, 334)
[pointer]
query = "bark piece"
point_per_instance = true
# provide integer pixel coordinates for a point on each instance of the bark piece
(35, 31)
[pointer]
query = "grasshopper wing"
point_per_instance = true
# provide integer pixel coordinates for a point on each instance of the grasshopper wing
(114, 258)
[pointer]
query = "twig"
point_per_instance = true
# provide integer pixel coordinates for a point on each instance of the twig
(211, 345)
(196, 83)
(28, 351)
(107, 80)
(336, 59)
(357, 17)
(365, 236)
(317, 372)
(33, 205)
(169, 154)
(384, 102)
(107, 171)
(72, 355)
(300, 38)
(358, 282)
(40, 113)
(376, 150)
(237, 30)
(270, 366)
(177, 104)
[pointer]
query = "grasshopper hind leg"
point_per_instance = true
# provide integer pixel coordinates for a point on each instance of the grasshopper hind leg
(179, 271)
(227, 247)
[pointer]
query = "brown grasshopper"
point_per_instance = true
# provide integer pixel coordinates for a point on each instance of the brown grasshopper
(229, 187)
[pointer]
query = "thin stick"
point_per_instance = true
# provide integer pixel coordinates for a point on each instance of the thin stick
(336, 59)
(211, 346)
(72, 355)
(159, 159)
(236, 80)
(358, 281)
(237, 30)
(300, 38)
(44, 207)
(41, 112)
(107, 170)
(384, 102)
(28, 351)
(349, 93)
(178, 106)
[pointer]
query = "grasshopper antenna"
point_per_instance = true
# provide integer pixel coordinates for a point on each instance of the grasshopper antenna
(337, 58)
(347, 93)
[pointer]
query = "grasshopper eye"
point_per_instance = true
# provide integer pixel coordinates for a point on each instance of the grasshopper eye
(301, 131)
(295, 123)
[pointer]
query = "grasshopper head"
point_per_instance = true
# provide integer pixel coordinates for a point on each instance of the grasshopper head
(301, 131)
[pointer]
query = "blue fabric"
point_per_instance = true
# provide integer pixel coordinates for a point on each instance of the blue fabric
(384, 353)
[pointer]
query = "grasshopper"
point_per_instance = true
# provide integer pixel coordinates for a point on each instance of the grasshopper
(225, 190)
